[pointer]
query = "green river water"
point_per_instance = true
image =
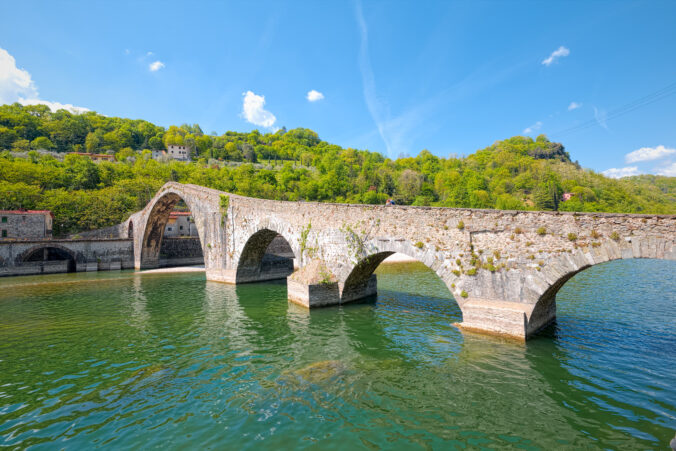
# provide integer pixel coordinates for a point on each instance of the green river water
(129, 361)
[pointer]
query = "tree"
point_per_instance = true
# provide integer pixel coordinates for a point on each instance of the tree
(42, 143)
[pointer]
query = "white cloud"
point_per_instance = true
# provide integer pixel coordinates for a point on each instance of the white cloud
(669, 171)
(155, 66)
(17, 85)
(556, 54)
(254, 112)
(648, 154)
(535, 127)
(314, 96)
(574, 106)
(617, 173)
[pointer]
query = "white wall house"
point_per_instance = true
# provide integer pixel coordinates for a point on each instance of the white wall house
(180, 153)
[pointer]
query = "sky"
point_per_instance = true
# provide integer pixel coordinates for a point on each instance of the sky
(393, 76)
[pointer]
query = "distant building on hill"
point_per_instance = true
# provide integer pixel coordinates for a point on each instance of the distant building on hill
(567, 196)
(180, 223)
(180, 153)
(95, 157)
(25, 224)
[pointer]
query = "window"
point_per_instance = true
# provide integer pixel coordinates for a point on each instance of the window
(169, 229)
(4, 219)
(4, 233)
(180, 228)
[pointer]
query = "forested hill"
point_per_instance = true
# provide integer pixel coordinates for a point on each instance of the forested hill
(517, 173)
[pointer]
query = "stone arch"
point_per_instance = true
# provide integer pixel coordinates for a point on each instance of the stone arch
(258, 262)
(71, 256)
(360, 280)
(150, 233)
(566, 267)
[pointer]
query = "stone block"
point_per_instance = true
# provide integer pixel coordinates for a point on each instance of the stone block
(313, 295)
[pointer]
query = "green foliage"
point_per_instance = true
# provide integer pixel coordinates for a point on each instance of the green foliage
(419, 244)
(464, 294)
(518, 173)
(461, 225)
(471, 271)
(542, 231)
(572, 236)
(615, 236)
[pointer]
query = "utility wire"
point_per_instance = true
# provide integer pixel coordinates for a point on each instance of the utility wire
(627, 108)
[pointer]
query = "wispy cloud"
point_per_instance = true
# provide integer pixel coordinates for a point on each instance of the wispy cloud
(314, 96)
(375, 107)
(669, 171)
(155, 66)
(17, 85)
(601, 117)
(533, 128)
(556, 54)
(648, 154)
(574, 106)
(253, 110)
(617, 173)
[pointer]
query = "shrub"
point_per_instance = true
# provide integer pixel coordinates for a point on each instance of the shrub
(572, 236)
(464, 294)
(594, 234)
(614, 236)
(471, 271)
(456, 272)
(461, 225)
(419, 244)
(490, 267)
(596, 244)
(496, 254)
(518, 231)
(542, 231)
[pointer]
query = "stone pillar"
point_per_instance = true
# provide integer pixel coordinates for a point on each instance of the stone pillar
(510, 319)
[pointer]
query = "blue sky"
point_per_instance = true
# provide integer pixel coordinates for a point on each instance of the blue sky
(390, 76)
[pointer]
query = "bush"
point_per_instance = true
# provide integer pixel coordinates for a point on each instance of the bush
(419, 244)
(518, 231)
(572, 236)
(461, 225)
(614, 236)
(542, 231)
(464, 294)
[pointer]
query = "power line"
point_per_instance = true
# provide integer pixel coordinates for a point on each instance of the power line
(653, 97)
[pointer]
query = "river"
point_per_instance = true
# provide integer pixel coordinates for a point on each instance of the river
(123, 360)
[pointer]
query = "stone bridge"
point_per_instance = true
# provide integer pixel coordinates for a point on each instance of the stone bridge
(504, 268)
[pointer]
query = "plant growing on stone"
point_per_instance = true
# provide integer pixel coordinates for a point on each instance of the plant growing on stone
(615, 236)
(461, 225)
(594, 234)
(419, 245)
(518, 231)
(471, 271)
(542, 231)
(304, 248)
(464, 294)
(572, 236)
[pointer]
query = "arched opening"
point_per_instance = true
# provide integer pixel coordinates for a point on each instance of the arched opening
(592, 281)
(172, 235)
(130, 230)
(267, 255)
(400, 279)
(50, 259)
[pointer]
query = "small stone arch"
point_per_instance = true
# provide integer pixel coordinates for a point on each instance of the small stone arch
(257, 262)
(72, 257)
(361, 281)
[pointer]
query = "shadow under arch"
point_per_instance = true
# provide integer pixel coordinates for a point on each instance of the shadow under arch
(153, 233)
(267, 255)
(50, 253)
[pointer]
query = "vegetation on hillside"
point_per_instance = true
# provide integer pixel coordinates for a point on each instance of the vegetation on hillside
(517, 173)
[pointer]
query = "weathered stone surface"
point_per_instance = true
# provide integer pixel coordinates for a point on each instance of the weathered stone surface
(500, 266)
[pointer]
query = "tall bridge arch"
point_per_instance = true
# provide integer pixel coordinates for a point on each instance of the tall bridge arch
(503, 267)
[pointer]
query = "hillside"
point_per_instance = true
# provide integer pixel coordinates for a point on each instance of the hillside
(516, 173)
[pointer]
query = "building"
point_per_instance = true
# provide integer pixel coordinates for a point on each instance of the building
(567, 196)
(95, 157)
(180, 153)
(25, 224)
(180, 223)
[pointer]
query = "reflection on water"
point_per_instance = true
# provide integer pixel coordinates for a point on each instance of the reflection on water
(171, 360)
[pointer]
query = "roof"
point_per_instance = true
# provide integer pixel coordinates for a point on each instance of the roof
(180, 213)
(26, 212)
